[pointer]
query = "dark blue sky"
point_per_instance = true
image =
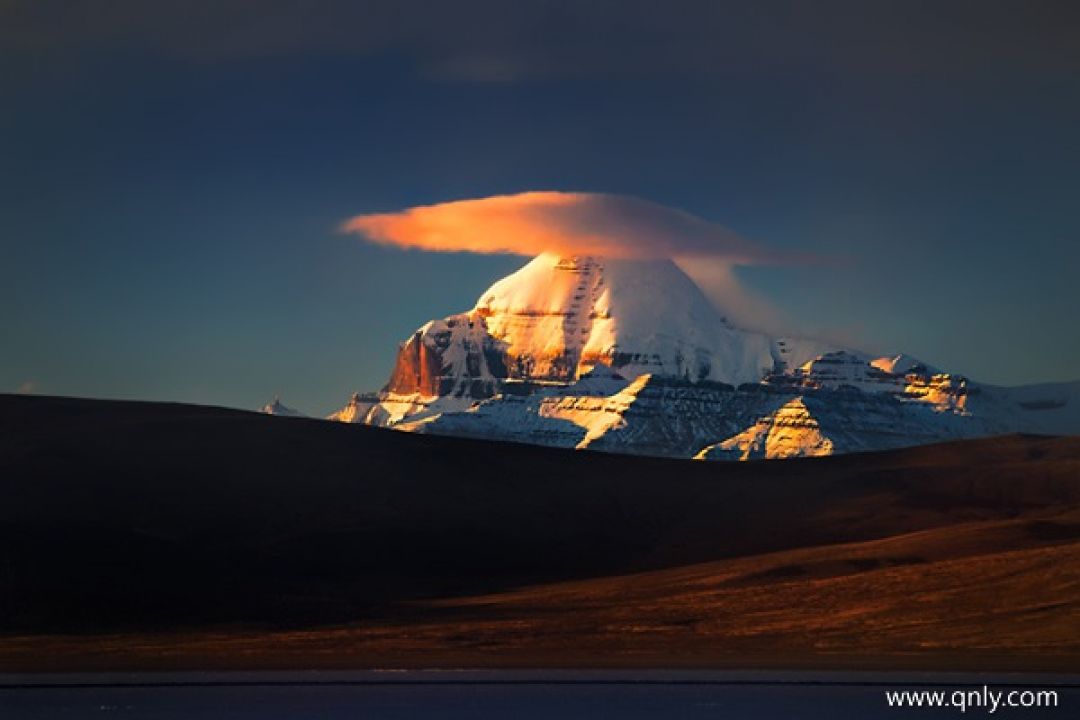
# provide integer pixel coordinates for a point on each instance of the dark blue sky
(171, 175)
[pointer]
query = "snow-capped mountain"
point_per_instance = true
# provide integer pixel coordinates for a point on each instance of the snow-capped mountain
(629, 356)
(277, 408)
(556, 318)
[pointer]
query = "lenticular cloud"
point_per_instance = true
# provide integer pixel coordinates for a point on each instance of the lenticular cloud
(568, 223)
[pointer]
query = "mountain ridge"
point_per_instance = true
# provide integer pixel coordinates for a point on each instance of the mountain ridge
(532, 359)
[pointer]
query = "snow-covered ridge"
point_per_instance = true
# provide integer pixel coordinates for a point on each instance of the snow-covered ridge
(629, 356)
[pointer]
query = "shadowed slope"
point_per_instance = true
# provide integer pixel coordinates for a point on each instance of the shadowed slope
(120, 516)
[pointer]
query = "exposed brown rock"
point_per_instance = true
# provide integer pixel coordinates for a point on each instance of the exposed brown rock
(418, 368)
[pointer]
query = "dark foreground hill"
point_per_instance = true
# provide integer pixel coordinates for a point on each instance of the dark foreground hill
(163, 535)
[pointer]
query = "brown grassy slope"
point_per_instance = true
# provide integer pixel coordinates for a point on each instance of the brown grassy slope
(1000, 595)
(147, 525)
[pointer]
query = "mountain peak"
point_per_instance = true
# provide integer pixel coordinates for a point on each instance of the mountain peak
(629, 356)
(278, 408)
(559, 316)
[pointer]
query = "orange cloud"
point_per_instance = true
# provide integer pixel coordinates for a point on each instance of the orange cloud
(569, 223)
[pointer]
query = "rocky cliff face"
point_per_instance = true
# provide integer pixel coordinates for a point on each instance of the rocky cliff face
(455, 356)
(418, 368)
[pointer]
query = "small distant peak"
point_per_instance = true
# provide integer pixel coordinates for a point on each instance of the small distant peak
(278, 408)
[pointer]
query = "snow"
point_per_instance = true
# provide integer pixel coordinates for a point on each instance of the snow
(356, 411)
(629, 356)
(277, 408)
(642, 316)
(902, 364)
(596, 416)
(458, 334)
(789, 432)
(1045, 408)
